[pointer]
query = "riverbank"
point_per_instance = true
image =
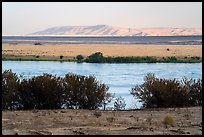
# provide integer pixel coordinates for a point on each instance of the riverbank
(106, 59)
(68, 52)
(98, 122)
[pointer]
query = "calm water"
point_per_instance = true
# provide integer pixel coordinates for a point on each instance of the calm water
(119, 77)
(174, 40)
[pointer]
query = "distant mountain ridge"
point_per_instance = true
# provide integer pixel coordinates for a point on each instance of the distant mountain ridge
(106, 30)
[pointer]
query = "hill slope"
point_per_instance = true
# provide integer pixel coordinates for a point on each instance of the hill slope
(106, 30)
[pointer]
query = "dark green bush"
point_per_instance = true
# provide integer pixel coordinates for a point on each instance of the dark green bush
(155, 92)
(37, 43)
(79, 58)
(52, 92)
(61, 57)
(27, 98)
(10, 90)
(83, 92)
(42, 92)
(95, 58)
(194, 89)
(99, 58)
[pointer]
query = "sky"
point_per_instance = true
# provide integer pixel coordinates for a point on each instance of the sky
(19, 18)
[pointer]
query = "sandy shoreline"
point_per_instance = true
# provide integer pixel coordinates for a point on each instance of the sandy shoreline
(84, 122)
(72, 50)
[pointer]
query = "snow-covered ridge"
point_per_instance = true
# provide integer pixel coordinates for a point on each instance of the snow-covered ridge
(106, 30)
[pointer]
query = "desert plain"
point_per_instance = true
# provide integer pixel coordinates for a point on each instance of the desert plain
(72, 50)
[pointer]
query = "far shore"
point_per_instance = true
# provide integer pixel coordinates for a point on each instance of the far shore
(69, 51)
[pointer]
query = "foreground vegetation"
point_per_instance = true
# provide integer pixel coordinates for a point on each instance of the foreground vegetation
(99, 58)
(158, 92)
(52, 92)
(85, 92)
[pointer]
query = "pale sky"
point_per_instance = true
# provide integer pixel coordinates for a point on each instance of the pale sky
(20, 18)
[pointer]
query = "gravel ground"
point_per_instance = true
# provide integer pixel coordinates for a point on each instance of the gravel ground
(186, 121)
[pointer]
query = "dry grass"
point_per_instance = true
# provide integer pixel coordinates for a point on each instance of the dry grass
(72, 50)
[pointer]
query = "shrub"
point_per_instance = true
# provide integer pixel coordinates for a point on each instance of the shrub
(45, 91)
(194, 89)
(83, 92)
(142, 92)
(10, 90)
(61, 57)
(168, 120)
(51, 92)
(38, 43)
(79, 58)
(156, 92)
(95, 58)
(119, 104)
(27, 98)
